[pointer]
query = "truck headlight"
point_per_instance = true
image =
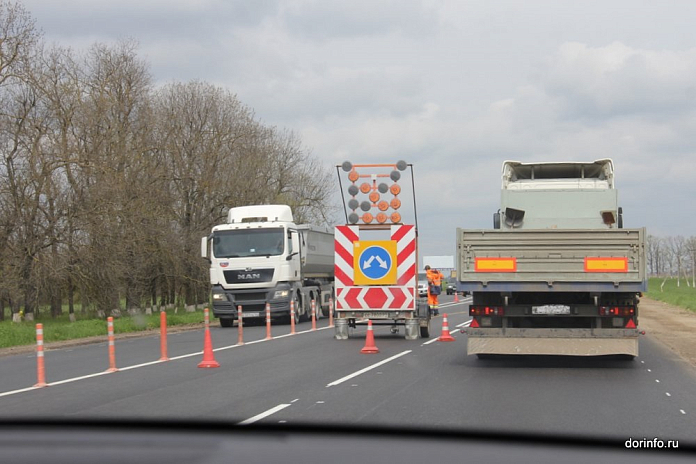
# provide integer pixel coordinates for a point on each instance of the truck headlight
(281, 294)
(218, 296)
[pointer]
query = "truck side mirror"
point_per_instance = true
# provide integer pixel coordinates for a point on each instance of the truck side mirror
(204, 248)
(289, 257)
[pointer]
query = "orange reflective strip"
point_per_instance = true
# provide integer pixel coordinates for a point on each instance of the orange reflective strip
(495, 264)
(602, 264)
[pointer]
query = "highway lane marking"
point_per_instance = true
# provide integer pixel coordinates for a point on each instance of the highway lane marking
(433, 340)
(150, 363)
(263, 415)
(21, 390)
(362, 371)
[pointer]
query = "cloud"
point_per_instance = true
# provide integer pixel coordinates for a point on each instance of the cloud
(322, 20)
(617, 80)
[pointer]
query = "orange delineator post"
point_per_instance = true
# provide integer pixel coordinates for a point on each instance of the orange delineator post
(163, 336)
(445, 336)
(268, 321)
(292, 317)
(208, 356)
(40, 371)
(112, 347)
(240, 326)
(331, 310)
(370, 347)
(314, 315)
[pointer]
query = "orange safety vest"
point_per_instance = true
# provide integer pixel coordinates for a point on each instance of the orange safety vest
(435, 278)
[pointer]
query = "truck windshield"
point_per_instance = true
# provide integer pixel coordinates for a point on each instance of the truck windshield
(248, 242)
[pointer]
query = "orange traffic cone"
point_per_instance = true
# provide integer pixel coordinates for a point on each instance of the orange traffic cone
(208, 357)
(445, 337)
(370, 347)
(456, 297)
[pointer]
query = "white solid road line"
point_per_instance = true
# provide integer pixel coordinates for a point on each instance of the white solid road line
(464, 324)
(258, 417)
(21, 390)
(362, 371)
(151, 363)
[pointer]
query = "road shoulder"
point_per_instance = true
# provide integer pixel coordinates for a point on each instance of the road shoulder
(670, 325)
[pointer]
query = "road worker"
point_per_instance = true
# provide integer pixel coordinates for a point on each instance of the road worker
(434, 289)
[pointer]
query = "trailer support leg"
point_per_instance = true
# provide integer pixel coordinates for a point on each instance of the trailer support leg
(412, 328)
(341, 329)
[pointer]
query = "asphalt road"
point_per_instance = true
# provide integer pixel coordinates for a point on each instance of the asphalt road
(312, 378)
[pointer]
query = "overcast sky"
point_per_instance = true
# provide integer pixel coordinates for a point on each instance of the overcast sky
(454, 87)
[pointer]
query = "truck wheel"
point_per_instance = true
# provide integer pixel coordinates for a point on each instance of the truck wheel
(425, 331)
(226, 322)
(301, 311)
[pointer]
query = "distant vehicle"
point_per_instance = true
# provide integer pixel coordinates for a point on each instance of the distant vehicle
(261, 256)
(451, 288)
(422, 288)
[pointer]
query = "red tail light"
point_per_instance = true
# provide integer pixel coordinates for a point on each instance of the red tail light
(617, 310)
(481, 310)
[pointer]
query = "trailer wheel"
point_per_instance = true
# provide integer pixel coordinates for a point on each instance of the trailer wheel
(226, 322)
(425, 331)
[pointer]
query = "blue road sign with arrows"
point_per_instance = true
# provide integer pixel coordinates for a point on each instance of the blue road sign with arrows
(375, 262)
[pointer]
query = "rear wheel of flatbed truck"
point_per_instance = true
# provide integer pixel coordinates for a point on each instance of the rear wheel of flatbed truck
(226, 322)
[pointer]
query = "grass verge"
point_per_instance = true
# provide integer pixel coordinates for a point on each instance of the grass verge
(60, 328)
(683, 296)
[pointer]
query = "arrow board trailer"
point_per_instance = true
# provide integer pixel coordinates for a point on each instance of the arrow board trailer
(261, 256)
(376, 257)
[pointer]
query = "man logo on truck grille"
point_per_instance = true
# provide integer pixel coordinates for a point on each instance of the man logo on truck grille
(248, 276)
(238, 276)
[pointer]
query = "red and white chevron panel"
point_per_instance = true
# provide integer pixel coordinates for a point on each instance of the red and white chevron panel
(405, 237)
(370, 298)
(344, 236)
(399, 297)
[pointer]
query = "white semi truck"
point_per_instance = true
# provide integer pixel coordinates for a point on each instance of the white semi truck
(558, 274)
(261, 256)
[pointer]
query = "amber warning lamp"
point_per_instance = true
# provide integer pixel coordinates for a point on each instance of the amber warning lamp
(369, 192)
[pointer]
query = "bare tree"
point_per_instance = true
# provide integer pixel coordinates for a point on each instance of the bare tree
(18, 38)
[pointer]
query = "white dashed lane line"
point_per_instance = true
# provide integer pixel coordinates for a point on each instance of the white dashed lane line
(264, 414)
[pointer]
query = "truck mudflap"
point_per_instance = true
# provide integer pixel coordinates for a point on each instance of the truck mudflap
(568, 342)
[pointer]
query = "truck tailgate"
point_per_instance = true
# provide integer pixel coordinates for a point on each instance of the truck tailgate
(551, 260)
